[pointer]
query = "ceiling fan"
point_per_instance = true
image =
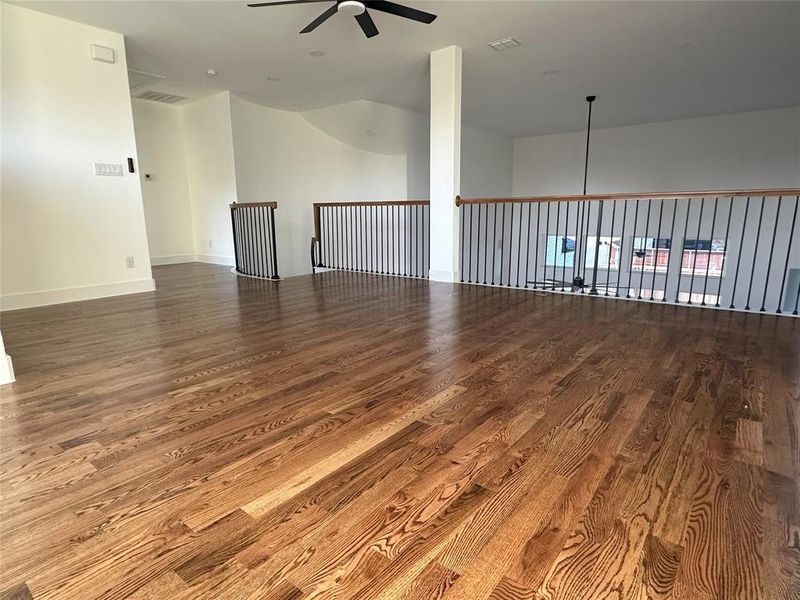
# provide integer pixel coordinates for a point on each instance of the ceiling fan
(357, 8)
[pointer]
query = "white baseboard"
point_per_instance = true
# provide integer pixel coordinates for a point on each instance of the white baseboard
(86, 292)
(173, 259)
(227, 261)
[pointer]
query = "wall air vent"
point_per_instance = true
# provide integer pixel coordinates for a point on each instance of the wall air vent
(504, 44)
(160, 97)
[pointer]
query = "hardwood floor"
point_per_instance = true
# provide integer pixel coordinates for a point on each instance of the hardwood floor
(355, 436)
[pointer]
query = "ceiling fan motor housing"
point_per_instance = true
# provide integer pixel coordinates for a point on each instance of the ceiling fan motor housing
(350, 7)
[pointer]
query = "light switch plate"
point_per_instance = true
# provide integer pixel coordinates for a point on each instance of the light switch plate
(108, 169)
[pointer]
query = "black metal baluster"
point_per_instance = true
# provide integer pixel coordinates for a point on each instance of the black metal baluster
(683, 251)
(407, 219)
(243, 232)
(596, 261)
(555, 261)
(536, 252)
(566, 247)
(274, 247)
(655, 263)
(610, 242)
(426, 255)
(503, 243)
(421, 236)
(527, 247)
(251, 261)
(462, 244)
(469, 255)
(710, 248)
(670, 256)
(644, 247)
(233, 231)
(519, 244)
(633, 249)
(741, 246)
(270, 238)
(580, 244)
(755, 252)
(262, 242)
(788, 252)
(724, 255)
(385, 232)
(485, 244)
(621, 247)
(510, 245)
(585, 242)
(771, 252)
(330, 220)
(494, 238)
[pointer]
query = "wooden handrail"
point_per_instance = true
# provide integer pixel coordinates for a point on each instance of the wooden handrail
(236, 205)
(635, 196)
(377, 203)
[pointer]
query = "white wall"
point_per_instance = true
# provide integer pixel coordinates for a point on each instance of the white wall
(160, 140)
(326, 155)
(212, 176)
(743, 150)
(65, 232)
(487, 161)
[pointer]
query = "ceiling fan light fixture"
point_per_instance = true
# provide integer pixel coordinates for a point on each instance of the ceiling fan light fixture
(351, 7)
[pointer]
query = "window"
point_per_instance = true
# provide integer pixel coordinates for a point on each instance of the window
(651, 254)
(560, 251)
(703, 256)
(609, 252)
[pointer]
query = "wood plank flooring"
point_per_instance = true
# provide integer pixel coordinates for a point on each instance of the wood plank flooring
(356, 436)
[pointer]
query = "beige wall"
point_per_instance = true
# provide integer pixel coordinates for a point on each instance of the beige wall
(162, 155)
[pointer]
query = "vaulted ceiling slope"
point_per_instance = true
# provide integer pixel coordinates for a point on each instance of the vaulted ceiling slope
(646, 61)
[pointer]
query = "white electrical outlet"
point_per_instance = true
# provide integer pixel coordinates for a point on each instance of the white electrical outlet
(108, 169)
(210, 244)
(129, 262)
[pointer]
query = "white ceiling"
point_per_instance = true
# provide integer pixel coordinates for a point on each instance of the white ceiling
(646, 61)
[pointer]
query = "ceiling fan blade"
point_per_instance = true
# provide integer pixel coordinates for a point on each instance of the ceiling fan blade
(400, 10)
(261, 4)
(320, 19)
(367, 24)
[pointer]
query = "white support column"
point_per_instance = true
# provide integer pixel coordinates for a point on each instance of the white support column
(445, 171)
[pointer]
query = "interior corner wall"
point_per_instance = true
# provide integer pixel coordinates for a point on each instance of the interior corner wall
(66, 233)
(297, 159)
(161, 143)
(211, 173)
(735, 151)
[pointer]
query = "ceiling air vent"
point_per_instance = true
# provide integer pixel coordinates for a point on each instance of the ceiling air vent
(504, 44)
(160, 97)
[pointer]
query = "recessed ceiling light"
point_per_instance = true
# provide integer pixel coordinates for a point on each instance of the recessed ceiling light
(371, 133)
(211, 72)
(273, 78)
(504, 44)
(317, 53)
